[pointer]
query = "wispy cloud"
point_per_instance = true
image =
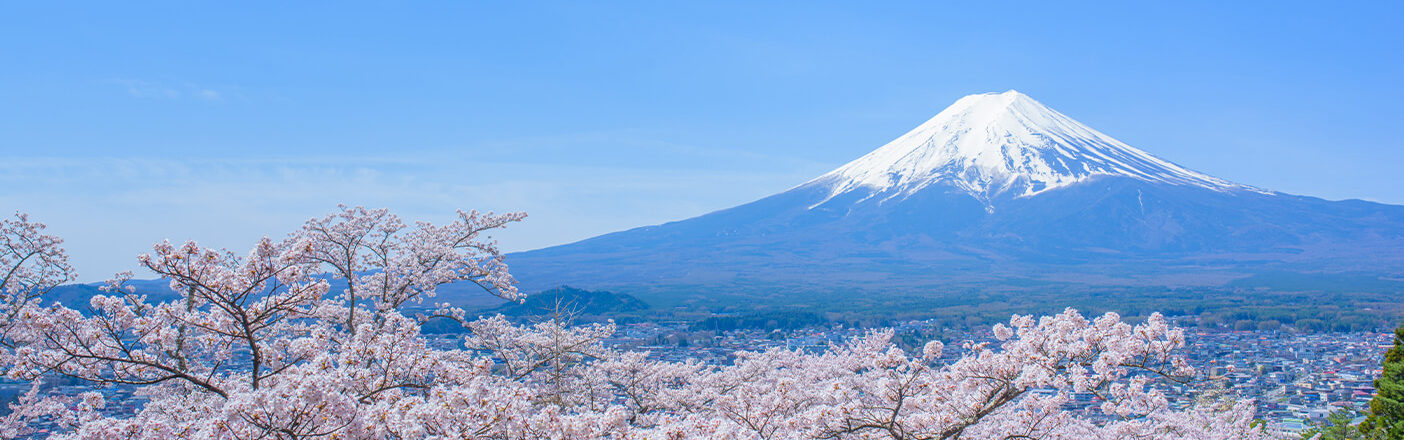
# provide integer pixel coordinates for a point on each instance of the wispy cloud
(144, 89)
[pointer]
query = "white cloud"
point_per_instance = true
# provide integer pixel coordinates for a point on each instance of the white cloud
(159, 90)
(145, 89)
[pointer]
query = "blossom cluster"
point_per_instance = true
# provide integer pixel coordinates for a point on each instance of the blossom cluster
(309, 337)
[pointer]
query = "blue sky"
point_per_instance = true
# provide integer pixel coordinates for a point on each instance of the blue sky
(126, 123)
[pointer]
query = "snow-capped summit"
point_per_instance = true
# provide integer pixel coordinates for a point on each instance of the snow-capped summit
(1002, 144)
(996, 193)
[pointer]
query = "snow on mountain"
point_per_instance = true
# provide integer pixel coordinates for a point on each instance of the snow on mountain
(994, 189)
(1002, 144)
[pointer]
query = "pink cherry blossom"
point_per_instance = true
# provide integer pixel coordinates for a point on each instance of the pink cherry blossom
(311, 337)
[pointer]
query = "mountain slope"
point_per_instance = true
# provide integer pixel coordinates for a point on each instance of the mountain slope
(570, 301)
(995, 190)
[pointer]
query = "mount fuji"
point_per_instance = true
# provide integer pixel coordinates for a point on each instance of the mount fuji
(996, 191)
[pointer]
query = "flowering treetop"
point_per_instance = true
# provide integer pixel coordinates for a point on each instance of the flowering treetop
(261, 345)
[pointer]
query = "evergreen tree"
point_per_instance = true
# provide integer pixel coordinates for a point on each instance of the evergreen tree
(1387, 408)
(1337, 427)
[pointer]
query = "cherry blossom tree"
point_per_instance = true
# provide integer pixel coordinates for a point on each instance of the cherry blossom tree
(31, 264)
(386, 267)
(871, 389)
(311, 337)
